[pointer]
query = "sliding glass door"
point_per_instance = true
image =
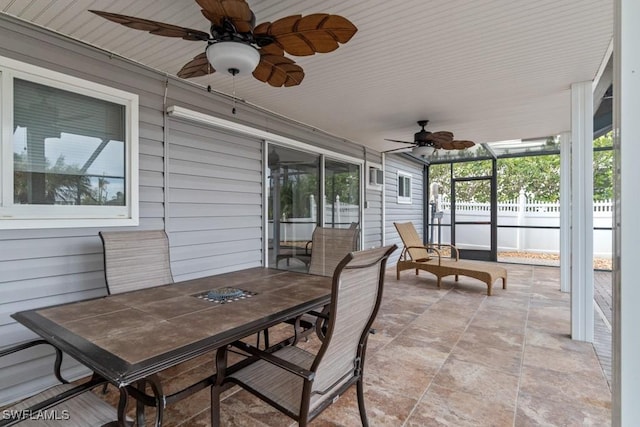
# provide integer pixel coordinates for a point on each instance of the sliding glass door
(293, 209)
(295, 181)
(342, 190)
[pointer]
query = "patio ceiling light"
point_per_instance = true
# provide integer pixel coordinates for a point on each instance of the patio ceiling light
(423, 150)
(235, 57)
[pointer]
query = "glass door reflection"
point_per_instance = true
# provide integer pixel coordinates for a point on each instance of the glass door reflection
(293, 208)
(342, 190)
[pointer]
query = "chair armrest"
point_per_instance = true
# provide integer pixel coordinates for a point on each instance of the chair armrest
(275, 360)
(22, 346)
(428, 248)
(453, 249)
(94, 382)
(307, 248)
(57, 365)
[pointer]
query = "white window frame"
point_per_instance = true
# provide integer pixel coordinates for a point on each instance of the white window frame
(57, 216)
(404, 200)
(377, 167)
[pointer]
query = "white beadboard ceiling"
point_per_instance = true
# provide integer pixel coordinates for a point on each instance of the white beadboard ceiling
(487, 70)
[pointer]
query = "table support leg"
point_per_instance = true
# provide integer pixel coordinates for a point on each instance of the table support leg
(122, 407)
(216, 388)
(156, 387)
(141, 385)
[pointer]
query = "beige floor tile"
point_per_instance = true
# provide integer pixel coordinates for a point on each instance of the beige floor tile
(479, 380)
(443, 357)
(444, 407)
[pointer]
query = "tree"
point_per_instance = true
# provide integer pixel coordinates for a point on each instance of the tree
(539, 176)
(64, 184)
(603, 169)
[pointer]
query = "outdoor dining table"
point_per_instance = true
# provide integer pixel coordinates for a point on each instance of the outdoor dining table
(128, 338)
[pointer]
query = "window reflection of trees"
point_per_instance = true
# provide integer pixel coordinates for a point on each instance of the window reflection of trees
(68, 148)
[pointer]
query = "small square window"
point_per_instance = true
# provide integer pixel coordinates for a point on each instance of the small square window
(404, 187)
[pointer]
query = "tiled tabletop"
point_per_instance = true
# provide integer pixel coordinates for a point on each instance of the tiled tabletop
(141, 329)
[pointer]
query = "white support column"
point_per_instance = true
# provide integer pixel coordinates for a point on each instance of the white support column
(582, 211)
(626, 265)
(565, 212)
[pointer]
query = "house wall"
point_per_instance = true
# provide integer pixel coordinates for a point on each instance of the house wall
(204, 186)
(398, 212)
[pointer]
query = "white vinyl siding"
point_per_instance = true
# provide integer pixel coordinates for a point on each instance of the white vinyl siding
(396, 166)
(215, 192)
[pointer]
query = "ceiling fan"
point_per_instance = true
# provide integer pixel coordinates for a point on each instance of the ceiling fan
(426, 142)
(240, 47)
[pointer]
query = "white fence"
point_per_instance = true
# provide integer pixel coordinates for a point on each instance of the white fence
(336, 214)
(520, 212)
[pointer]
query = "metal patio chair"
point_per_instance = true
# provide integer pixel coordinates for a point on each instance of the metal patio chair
(302, 384)
(135, 260)
(306, 256)
(330, 246)
(63, 405)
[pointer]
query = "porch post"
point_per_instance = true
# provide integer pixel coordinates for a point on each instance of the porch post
(581, 206)
(626, 260)
(565, 212)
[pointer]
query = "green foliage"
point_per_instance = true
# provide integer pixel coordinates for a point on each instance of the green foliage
(345, 185)
(603, 169)
(63, 184)
(539, 176)
(295, 195)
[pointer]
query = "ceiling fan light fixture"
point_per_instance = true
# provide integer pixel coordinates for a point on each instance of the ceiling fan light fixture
(239, 59)
(423, 150)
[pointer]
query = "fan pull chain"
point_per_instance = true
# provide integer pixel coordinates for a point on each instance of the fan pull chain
(233, 77)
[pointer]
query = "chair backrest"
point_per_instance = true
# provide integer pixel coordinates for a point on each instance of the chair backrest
(355, 299)
(135, 260)
(411, 239)
(329, 246)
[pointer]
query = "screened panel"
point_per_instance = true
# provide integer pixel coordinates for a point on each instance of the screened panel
(525, 147)
(444, 156)
(472, 169)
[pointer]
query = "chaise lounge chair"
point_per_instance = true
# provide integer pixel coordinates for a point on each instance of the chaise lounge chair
(416, 255)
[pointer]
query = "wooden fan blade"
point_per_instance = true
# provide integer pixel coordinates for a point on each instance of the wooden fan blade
(442, 135)
(457, 145)
(154, 27)
(462, 144)
(404, 142)
(237, 11)
(272, 49)
(303, 36)
(278, 71)
(198, 66)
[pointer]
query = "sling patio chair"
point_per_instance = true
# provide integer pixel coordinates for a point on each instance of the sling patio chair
(417, 256)
(330, 245)
(305, 254)
(302, 384)
(63, 405)
(135, 260)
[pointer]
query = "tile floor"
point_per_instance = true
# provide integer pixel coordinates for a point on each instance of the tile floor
(449, 357)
